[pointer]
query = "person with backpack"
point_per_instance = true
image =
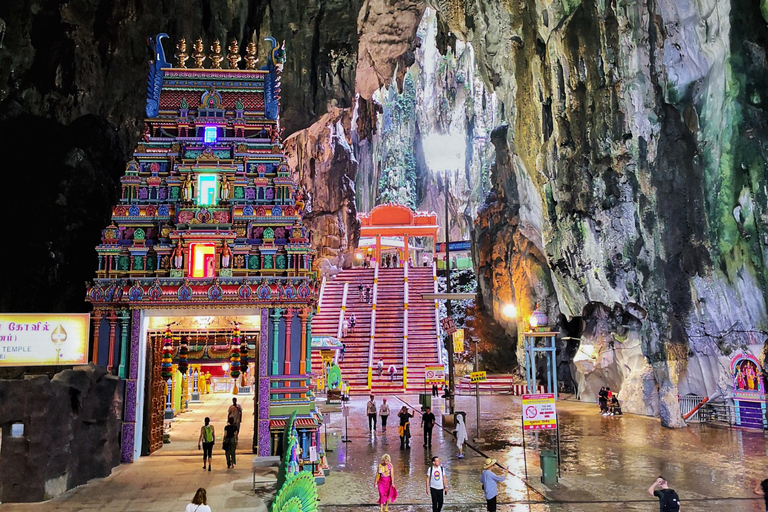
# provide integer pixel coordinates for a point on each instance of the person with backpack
(668, 498)
(207, 438)
(437, 485)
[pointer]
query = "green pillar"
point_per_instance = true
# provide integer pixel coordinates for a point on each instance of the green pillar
(123, 315)
(276, 314)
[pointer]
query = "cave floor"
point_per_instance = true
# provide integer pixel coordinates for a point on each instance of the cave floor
(607, 465)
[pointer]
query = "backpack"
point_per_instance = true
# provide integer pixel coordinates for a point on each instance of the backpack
(670, 502)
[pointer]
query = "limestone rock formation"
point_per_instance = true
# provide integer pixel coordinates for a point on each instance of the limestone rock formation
(636, 172)
(324, 165)
(71, 432)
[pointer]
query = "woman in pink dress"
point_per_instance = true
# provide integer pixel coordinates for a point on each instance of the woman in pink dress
(385, 482)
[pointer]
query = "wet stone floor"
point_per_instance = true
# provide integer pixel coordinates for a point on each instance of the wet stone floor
(607, 464)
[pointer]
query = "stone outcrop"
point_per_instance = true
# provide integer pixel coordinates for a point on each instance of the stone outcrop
(633, 134)
(324, 165)
(71, 432)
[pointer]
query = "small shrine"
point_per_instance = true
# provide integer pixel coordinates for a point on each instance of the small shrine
(748, 391)
(208, 226)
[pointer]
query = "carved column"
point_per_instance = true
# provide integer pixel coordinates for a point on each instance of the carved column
(303, 356)
(288, 320)
(123, 315)
(308, 342)
(276, 313)
(112, 317)
(96, 319)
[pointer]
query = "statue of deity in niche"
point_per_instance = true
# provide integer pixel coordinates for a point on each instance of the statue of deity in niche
(178, 256)
(226, 255)
(224, 192)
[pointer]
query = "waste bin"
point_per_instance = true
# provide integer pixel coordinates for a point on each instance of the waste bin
(548, 461)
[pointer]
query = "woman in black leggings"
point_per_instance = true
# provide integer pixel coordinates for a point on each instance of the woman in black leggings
(207, 438)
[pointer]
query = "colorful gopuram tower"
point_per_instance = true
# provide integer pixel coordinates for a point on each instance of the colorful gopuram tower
(210, 223)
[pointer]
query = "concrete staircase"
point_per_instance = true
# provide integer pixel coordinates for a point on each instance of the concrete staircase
(354, 367)
(389, 328)
(422, 326)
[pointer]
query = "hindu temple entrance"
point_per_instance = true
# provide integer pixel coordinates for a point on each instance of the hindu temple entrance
(192, 372)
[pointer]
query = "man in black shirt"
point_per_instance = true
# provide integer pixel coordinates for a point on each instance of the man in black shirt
(427, 422)
(668, 499)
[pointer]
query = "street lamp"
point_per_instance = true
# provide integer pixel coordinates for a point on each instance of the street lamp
(443, 152)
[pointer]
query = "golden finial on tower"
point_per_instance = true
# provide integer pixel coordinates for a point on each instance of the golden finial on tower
(250, 57)
(234, 54)
(199, 56)
(216, 57)
(181, 55)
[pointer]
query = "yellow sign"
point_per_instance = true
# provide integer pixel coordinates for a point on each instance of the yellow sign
(44, 339)
(434, 374)
(477, 377)
(458, 341)
(539, 412)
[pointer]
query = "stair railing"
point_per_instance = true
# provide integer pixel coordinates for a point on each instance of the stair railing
(405, 326)
(322, 292)
(373, 322)
(437, 320)
(342, 311)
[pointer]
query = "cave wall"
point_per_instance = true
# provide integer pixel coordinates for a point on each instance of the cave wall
(72, 426)
(636, 171)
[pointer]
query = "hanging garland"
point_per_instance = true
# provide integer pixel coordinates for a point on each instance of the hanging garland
(166, 368)
(183, 353)
(234, 368)
(244, 360)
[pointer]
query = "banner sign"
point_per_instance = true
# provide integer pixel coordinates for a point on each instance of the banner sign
(477, 377)
(464, 245)
(458, 341)
(434, 374)
(44, 339)
(539, 412)
(448, 326)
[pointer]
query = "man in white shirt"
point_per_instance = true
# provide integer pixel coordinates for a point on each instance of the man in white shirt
(380, 366)
(437, 485)
(384, 413)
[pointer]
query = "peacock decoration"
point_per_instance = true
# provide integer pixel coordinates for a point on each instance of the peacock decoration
(166, 367)
(297, 490)
(334, 377)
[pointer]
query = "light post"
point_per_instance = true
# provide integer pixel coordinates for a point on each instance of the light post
(443, 152)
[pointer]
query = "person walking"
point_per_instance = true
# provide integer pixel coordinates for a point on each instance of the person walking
(405, 428)
(199, 502)
(206, 439)
(488, 480)
(343, 349)
(427, 423)
(352, 322)
(235, 412)
(380, 366)
(360, 291)
(425, 259)
(461, 434)
(230, 442)
(669, 501)
(392, 371)
(370, 409)
(385, 483)
(368, 294)
(384, 413)
(434, 389)
(437, 486)
(344, 327)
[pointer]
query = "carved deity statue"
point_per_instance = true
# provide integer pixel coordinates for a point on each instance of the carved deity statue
(186, 188)
(226, 256)
(224, 192)
(178, 256)
(181, 54)
(234, 54)
(199, 55)
(216, 57)
(250, 57)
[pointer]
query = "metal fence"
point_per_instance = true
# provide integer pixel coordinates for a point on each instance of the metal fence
(723, 412)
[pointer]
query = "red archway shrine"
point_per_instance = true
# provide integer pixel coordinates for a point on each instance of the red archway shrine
(396, 220)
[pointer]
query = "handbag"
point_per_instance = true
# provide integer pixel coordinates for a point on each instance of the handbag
(226, 444)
